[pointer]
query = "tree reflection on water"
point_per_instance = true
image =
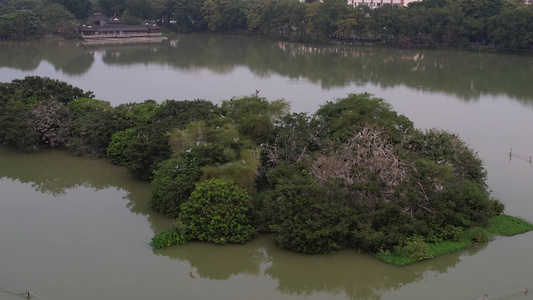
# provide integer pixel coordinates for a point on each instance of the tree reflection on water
(467, 75)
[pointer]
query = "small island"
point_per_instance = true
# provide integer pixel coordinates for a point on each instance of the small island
(354, 174)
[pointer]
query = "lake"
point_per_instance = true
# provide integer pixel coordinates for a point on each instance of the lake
(75, 228)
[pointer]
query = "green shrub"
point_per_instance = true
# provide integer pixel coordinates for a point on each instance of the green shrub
(478, 234)
(451, 233)
(414, 247)
(309, 218)
(120, 142)
(218, 211)
(254, 116)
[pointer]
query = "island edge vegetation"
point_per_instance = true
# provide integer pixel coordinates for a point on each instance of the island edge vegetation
(353, 174)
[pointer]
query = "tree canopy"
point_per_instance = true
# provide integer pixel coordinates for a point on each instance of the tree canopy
(505, 24)
(218, 211)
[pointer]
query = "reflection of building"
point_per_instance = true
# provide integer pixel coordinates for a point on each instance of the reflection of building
(112, 28)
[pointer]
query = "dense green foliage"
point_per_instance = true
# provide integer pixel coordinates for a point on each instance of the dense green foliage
(116, 150)
(309, 218)
(505, 24)
(354, 174)
(144, 140)
(384, 179)
(29, 19)
(34, 112)
(218, 211)
(93, 125)
(172, 184)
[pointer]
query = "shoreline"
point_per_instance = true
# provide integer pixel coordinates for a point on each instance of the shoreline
(502, 225)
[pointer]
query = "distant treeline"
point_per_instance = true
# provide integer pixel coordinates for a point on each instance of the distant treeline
(506, 24)
(353, 174)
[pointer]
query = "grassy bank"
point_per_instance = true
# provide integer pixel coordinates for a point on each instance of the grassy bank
(502, 225)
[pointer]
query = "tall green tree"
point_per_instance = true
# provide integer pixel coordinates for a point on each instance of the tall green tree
(138, 10)
(257, 14)
(80, 8)
(329, 12)
(346, 28)
(173, 182)
(112, 7)
(53, 15)
(288, 16)
(512, 29)
(255, 116)
(223, 14)
(26, 23)
(311, 17)
(93, 126)
(187, 14)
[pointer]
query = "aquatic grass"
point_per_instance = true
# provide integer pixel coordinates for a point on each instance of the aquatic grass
(435, 249)
(508, 226)
(168, 238)
(395, 259)
(444, 247)
(504, 225)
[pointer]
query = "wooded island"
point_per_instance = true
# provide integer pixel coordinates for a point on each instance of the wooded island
(353, 174)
